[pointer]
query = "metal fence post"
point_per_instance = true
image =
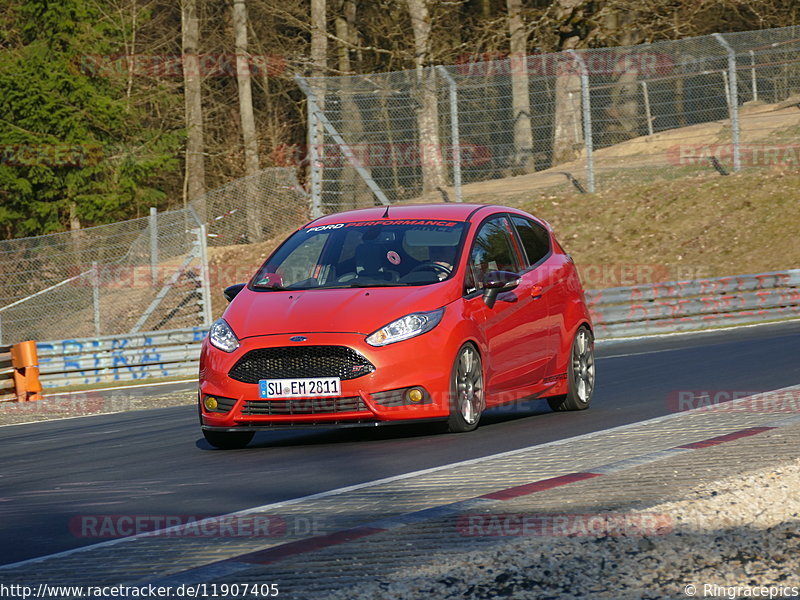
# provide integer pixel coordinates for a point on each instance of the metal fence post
(647, 112)
(587, 120)
(753, 75)
(205, 280)
(454, 135)
(96, 297)
(154, 246)
(347, 151)
(733, 99)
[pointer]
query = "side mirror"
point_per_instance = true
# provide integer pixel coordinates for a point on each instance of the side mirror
(495, 282)
(233, 290)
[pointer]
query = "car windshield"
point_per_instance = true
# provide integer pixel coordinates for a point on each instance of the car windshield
(382, 253)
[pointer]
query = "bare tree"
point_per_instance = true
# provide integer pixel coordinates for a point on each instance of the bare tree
(433, 174)
(520, 94)
(246, 116)
(195, 188)
(319, 68)
(567, 124)
(319, 39)
(625, 96)
(354, 189)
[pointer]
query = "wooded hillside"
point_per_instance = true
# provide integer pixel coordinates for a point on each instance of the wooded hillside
(108, 107)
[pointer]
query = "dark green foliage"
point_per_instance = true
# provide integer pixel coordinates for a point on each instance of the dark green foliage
(71, 143)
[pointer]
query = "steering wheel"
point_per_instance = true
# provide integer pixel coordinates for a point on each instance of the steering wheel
(429, 265)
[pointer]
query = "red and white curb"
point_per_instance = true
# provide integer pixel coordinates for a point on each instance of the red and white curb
(238, 564)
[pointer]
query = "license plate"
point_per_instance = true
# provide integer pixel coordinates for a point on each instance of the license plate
(306, 387)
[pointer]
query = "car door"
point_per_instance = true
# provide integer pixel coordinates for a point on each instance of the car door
(517, 318)
(542, 281)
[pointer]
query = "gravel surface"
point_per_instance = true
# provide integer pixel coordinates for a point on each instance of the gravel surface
(742, 531)
(81, 404)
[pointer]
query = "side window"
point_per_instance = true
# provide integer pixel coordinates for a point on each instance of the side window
(491, 251)
(299, 265)
(535, 239)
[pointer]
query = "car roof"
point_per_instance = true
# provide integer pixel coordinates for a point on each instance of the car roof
(454, 212)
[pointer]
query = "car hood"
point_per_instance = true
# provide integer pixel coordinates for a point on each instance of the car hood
(357, 310)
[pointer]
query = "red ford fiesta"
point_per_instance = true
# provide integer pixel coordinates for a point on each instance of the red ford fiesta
(415, 312)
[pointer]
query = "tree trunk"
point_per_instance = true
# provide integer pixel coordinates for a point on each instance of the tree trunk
(195, 167)
(319, 41)
(433, 174)
(625, 116)
(319, 68)
(354, 190)
(131, 53)
(567, 123)
(74, 221)
(253, 200)
(520, 93)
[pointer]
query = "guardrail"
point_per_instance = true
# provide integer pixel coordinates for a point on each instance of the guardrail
(109, 359)
(19, 373)
(698, 304)
(7, 386)
(617, 312)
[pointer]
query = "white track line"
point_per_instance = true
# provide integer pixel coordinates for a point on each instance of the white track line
(654, 336)
(122, 387)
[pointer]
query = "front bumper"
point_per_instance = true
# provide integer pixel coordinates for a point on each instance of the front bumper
(424, 361)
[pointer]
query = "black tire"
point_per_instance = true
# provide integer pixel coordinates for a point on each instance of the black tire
(467, 399)
(580, 374)
(228, 440)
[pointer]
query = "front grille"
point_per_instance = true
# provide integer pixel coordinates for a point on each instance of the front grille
(300, 361)
(304, 406)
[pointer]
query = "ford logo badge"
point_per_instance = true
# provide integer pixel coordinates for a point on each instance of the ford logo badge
(298, 338)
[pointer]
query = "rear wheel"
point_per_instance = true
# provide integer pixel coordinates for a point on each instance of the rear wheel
(228, 440)
(466, 391)
(580, 374)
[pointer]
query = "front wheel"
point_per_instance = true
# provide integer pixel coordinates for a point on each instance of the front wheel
(466, 391)
(580, 374)
(228, 440)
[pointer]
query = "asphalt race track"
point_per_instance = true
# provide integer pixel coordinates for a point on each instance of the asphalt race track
(155, 462)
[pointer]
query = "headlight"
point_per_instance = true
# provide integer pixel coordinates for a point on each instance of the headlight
(221, 336)
(406, 327)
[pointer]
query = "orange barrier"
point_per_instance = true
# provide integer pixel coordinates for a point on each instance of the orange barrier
(19, 372)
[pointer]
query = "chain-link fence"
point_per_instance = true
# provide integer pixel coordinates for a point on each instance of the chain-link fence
(146, 274)
(581, 118)
(255, 208)
(135, 275)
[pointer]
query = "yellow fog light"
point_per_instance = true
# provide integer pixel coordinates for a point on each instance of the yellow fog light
(210, 402)
(415, 395)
